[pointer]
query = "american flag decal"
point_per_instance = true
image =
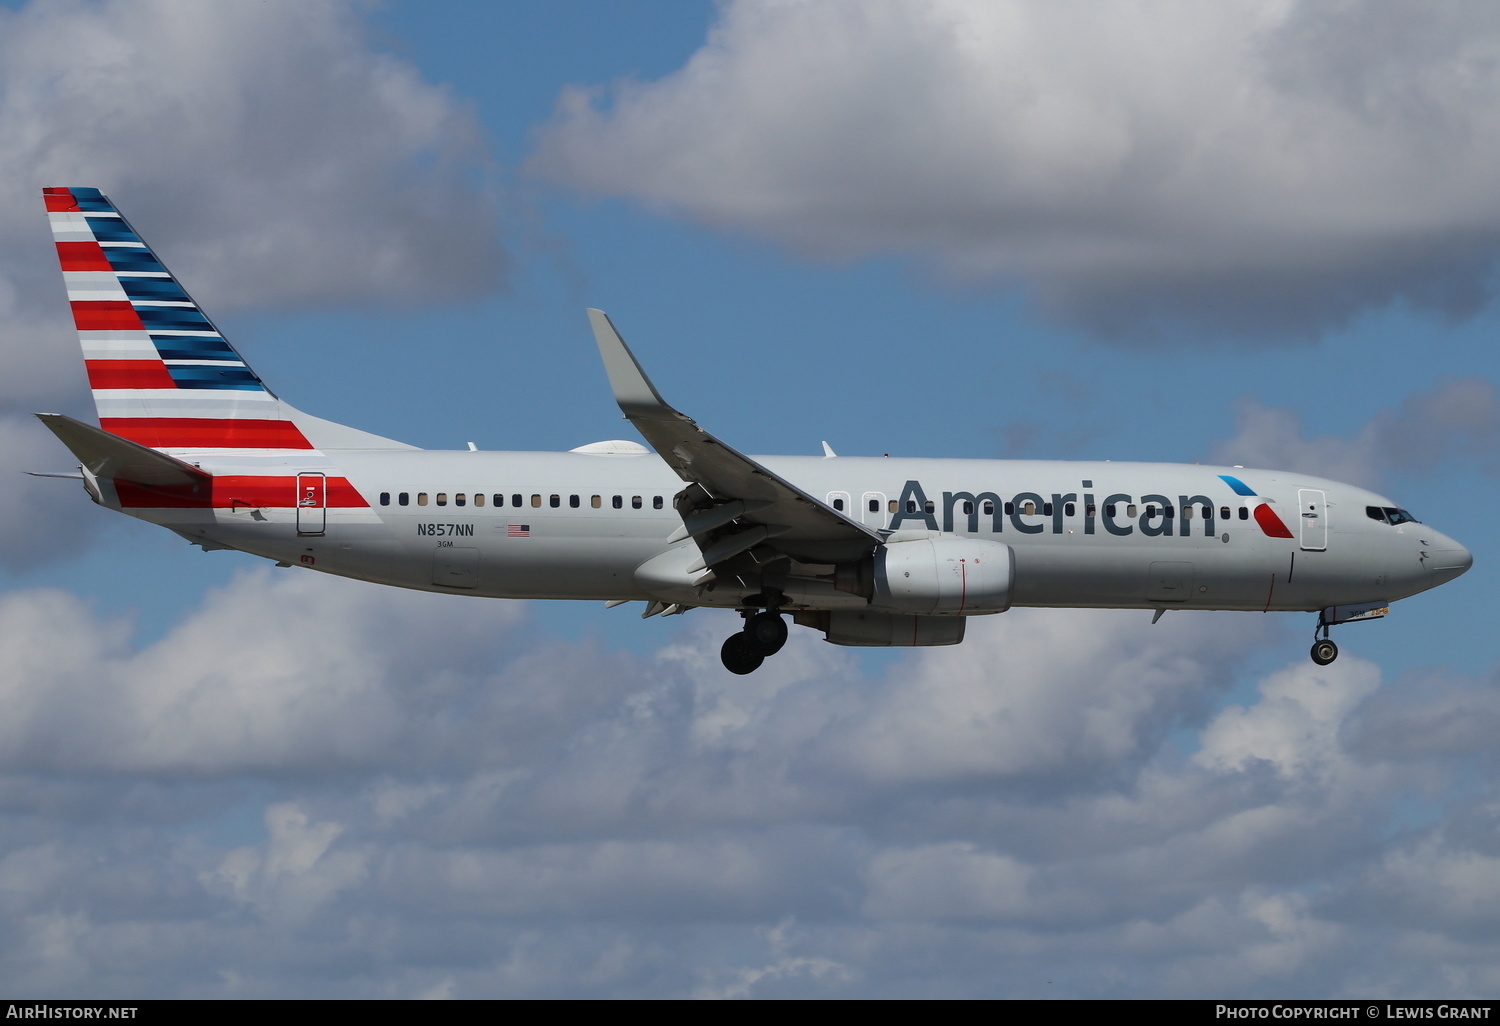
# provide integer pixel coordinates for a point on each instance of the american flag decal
(518, 530)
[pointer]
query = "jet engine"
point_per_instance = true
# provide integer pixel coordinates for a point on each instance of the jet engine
(943, 575)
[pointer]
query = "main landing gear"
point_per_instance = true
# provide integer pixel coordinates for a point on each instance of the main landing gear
(763, 635)
(1324, 651)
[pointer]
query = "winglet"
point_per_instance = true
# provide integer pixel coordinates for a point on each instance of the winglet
(633, 390)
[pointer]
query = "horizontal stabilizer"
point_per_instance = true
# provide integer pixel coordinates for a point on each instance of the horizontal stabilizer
(107, 455)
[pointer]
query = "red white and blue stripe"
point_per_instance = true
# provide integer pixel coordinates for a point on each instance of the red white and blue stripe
(1265, 516)
(165, 377)
(162, 373)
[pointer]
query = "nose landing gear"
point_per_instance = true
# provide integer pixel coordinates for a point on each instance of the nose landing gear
(1324, 651)
(763, 635)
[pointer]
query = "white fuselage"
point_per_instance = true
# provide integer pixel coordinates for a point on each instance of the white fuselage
(577, 526)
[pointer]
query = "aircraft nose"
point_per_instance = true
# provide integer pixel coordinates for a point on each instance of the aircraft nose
(1448, 557)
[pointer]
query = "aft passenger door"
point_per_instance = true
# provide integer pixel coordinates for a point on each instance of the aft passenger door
(1312, 507)
(312, 503)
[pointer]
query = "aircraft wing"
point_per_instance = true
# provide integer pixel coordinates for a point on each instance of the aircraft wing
(751, 504)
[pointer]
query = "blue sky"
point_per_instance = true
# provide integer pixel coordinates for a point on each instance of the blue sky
(916, 229)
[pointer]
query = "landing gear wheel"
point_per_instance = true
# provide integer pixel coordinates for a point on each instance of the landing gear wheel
(740, 654)
(767, 632)
(1324, 652)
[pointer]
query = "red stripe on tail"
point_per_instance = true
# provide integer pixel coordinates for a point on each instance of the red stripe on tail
(196, 433)
(128, 374)
(59, 199)
(105, 315)
(82, 256)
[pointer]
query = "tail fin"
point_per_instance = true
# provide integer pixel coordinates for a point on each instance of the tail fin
(162, 375)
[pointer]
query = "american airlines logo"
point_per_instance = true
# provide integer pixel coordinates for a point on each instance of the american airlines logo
(1153, 515)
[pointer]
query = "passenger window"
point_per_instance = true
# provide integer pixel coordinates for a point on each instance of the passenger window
(1109, 510)
(1091, 510)
(596, 501)
(1046, 509)
(555, 501)
(1187, 512)
(989, 507)
(928, 506)
(421, 498)
(536, 501)
(874, 505)
(1010, 509)
(968, 507)
(442, 498)
(656, 502)
(572, 502)
(635, 502)
(1168, 512)
(1068, 509)
(404, 499)
(838, 504)
(1223, 512)
(892, 505)
(1132, 510)
(479, 498)
(1244, 512)
(460, 499)
(1150, 511)
(385, 498)
(515, 500)
(1029, 509)
(618, 502)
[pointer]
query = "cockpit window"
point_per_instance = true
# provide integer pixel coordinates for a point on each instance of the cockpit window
(1375, 513)
(1399, 516)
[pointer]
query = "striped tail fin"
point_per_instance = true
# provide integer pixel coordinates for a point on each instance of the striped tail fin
(161, 373)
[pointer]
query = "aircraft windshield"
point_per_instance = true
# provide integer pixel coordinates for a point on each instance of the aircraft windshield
(1399, 516)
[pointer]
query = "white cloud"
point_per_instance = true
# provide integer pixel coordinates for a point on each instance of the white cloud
(1456, 418)
(267, 674)
(312, 786)
(265, 148)
(1238, 165)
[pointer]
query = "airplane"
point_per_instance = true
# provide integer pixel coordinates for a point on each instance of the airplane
(868, 551)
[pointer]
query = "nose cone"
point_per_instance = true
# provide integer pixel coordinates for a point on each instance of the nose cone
(1447, 558)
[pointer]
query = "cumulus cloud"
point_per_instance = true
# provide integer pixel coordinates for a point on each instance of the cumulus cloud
(1242, 167)
(1455, 419)
(311, 786)
(282, 160)
(267, 151)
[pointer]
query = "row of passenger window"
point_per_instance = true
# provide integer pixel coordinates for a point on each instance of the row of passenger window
(1031, 509)
(518, 500)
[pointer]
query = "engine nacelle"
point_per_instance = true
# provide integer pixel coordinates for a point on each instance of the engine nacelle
(943, 575)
